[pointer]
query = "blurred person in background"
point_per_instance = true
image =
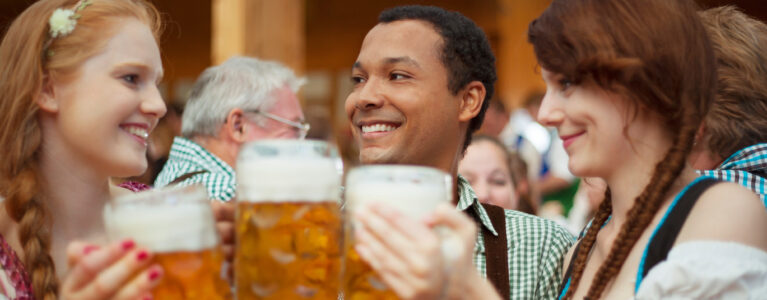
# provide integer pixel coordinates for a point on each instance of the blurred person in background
(545, 156)
(242, 100)
(497, 176)
(732, 142)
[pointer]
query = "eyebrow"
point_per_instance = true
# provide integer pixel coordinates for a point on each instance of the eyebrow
(392, 61)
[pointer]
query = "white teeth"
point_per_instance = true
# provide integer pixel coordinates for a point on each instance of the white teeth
(137, 131)
(377, 128)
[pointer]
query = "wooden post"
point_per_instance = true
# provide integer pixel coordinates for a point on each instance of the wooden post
(267, 29)
(518, 72)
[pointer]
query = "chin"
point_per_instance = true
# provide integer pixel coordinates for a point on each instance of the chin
(130, 169)
(372, 156)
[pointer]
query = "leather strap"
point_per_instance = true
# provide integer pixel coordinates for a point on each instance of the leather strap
(497, 250)
(186, 176)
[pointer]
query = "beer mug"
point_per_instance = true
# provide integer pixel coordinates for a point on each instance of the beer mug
(288, 221)
(177, 225)
(412, 190)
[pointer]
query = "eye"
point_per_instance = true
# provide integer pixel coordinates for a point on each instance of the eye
(131, 78)
(565, 84)
(499, 181)
(398, 76)
(358, 79)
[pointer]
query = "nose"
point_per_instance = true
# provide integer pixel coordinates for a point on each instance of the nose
(481, 190)
(369, 96)
(550, 113)
(152, 104)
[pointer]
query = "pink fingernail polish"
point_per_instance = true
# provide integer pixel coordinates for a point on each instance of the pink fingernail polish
(154, 274)
(148, 298)
(142, 255)
(128, 244)
(89, 249)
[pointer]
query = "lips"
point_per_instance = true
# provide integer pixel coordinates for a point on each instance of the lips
(567, 140)
(140, 132)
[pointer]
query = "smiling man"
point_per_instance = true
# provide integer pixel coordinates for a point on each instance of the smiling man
(423, 79)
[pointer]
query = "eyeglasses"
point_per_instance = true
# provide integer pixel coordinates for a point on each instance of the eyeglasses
(301, 127)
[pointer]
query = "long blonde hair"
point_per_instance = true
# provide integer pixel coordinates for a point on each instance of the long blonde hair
(28, 58)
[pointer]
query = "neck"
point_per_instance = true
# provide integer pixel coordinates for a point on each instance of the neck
(223, 149)
(452, 170)
(75, 195)
(628, 183)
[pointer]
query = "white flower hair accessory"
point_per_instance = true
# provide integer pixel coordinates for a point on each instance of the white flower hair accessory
(62, 22)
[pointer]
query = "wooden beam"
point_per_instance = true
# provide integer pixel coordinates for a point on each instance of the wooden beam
(517, 67)
(266, 29)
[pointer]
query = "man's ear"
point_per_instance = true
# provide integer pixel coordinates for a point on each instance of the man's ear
(471, 101)
(46, 100)
(235, 125)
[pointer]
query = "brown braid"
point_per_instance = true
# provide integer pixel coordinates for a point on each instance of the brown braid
(643, 211)
(603, 212)
(664, 69)
(25, 206)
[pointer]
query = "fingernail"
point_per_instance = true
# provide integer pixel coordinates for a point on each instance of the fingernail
(89, 249)
(154, 274)
(148, 297)
(128, 244)
(142, 255)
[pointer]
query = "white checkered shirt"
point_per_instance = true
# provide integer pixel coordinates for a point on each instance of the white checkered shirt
(536, 248)
(188, 157)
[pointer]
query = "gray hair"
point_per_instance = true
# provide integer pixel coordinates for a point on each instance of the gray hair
(240, 82)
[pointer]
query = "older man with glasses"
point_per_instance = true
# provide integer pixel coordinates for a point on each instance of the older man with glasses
(242, 100)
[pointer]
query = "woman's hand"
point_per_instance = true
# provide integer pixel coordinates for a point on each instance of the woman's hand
(118, 271)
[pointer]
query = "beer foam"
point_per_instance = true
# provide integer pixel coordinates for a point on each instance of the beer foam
(283, 179)
(164, 227)
(415, 200)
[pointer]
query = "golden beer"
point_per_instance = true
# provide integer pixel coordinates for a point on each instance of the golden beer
(288, 250)
(288, 222)
(177, 225)
(360, 281)
(414, 191)
(191, 275)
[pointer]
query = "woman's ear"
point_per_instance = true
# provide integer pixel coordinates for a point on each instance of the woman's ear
(46, 100)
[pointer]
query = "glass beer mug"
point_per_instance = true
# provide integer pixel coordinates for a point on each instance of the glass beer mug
(412, 190)
(177, 224)
(288, 221)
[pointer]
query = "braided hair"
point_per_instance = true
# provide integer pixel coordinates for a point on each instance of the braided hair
(664, 67)
(30, 55)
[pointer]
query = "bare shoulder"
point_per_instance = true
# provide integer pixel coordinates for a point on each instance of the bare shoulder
(727, 212)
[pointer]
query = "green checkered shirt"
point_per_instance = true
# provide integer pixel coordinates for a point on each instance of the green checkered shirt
(187, 157)
(536, 247)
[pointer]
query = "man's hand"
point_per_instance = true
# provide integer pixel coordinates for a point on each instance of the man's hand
(223, 212)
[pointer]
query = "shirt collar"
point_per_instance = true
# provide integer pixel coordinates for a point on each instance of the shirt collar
(467, 199)
(203, 157)
(749, 159)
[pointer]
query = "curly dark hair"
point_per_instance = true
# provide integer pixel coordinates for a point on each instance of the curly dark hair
(466, 52)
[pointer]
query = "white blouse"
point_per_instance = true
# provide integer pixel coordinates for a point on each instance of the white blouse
(708, 270)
